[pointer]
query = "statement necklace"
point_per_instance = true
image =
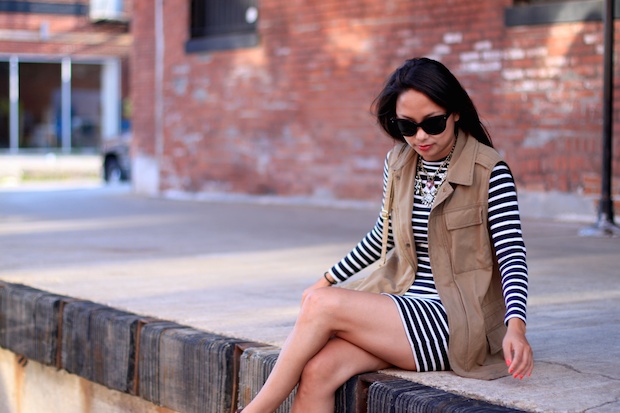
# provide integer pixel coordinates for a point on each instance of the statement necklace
(427, 190)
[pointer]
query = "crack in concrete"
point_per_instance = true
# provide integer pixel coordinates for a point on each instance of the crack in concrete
(594, 408)
(569, 367)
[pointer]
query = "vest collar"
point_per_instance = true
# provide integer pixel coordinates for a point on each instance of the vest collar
(461, 169)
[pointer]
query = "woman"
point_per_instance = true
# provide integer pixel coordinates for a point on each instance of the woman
(452, 294)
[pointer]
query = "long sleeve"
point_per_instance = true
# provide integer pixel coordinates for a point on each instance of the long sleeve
(368, 250)
(505, 228)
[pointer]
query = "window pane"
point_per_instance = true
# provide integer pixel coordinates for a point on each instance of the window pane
(5, 105)
(85, 105)
(531, 2)
(197, 18)
(221, 17)
(39, 105)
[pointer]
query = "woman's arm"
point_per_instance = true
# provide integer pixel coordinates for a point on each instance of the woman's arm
(507, 237)
(505, 228)
(368, 250)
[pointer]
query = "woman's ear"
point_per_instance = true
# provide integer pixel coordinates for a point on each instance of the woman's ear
(457, 116)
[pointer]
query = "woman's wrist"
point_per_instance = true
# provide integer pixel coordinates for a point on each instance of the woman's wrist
(516, 324)
(328, 277)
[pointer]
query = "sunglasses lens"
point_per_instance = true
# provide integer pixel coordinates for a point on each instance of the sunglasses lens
(407, 128)
(434, 125)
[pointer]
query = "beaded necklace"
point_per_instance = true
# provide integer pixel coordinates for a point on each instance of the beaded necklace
(427, 190)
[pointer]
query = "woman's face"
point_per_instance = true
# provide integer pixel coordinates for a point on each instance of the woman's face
(417, 107)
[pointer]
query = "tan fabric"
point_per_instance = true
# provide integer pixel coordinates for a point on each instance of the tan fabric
(461, 253)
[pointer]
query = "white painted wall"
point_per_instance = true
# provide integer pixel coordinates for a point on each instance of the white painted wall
(30, 387)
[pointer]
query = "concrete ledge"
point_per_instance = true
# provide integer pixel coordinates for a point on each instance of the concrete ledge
(405, 396)
(255, 366)
(30, 322)
(186, 369)
(176, 366)
(98, 344)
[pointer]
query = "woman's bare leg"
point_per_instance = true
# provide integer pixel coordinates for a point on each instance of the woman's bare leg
(337, 361)
(368, 321)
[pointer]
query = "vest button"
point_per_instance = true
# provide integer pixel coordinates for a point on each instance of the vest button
(408, 245)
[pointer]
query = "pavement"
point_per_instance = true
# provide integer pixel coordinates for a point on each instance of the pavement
(237, 266)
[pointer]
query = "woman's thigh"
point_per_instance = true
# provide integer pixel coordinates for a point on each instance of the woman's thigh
(367, 320)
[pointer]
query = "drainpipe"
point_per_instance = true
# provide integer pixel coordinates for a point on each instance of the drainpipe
(605, 225)
(65, 112)
(14, 104)
(159, 81)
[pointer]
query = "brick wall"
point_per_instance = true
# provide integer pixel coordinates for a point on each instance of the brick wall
(65, 35)
(291, 116)
(143, 77)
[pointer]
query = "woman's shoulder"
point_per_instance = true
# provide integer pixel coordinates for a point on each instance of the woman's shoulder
(486, 155)
(399, 155)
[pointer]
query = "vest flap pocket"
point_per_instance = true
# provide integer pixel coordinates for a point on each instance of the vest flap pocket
(470, 247)
(465, 217)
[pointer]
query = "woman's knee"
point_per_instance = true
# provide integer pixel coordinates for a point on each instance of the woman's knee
(320, 303)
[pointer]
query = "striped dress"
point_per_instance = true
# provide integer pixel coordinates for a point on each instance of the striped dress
(423, 315)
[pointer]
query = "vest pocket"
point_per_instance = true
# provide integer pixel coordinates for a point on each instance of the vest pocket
(470, 246)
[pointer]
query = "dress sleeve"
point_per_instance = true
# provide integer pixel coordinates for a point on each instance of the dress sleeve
(368, 250)
(507, 237)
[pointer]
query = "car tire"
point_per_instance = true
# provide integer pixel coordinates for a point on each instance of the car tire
(112, 172)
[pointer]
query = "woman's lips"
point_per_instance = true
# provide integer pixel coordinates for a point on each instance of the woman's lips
(424, 147)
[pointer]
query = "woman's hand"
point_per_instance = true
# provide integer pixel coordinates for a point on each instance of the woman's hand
(517, 350)
(322, 282)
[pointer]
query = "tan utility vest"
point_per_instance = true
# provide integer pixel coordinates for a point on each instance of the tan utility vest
(461, 252)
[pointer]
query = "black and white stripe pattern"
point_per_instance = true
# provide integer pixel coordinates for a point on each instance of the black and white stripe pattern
(426, 324)
(505, 228)
(368, 251)
(421, 310)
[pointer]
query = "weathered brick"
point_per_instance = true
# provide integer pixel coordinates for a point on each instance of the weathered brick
(290, 116)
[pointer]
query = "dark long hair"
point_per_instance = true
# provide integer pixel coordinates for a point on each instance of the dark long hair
(437, 82)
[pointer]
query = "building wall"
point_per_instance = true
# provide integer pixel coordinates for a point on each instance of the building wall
(36, 32)
(291, 117)
(62, 34)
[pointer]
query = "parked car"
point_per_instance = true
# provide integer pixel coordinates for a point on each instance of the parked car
(116, 159)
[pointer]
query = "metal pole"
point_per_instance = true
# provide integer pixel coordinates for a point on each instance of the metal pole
(14, 104)
(159, 88)
(605, 224)
(66, 128)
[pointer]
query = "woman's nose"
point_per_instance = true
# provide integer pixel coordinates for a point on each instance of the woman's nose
(420, 135)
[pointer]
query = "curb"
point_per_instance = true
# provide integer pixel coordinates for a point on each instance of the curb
(180, 367)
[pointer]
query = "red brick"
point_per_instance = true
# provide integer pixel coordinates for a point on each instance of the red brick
(291, 115)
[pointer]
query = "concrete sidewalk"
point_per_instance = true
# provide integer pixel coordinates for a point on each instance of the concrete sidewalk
(239, 268)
